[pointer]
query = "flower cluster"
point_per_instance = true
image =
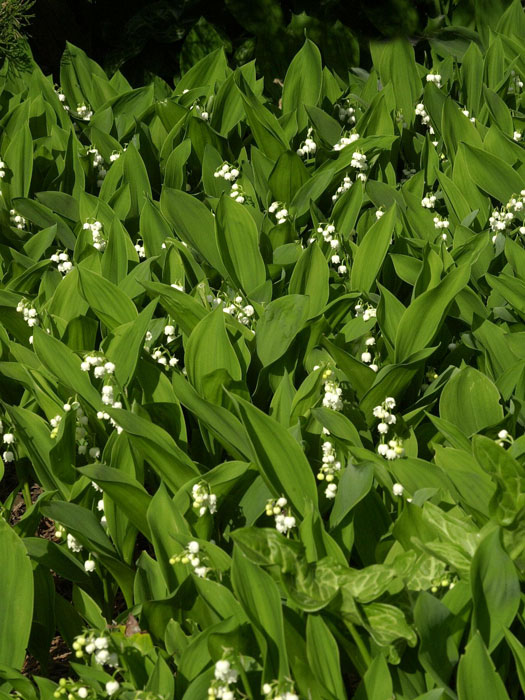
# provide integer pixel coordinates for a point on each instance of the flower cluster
(64, 264)
(225, 676)
(398, 489)
(346, 112)
(429, 201)
(203, 500)
(359, 163)
(440, 223)
(308, 146)
(393, 449)
(238, 194)
(9, 440)
(191, 555)
(101, 367)
(367, 357)
(365, 311)
(345, 141)
(280, 211)
(99, 239)
(227, 172)
(80, 427)
(284, 520)
(446, 581)
(332, 392)
(2, 169)
(92, 642)
(420, 111)
(241, 311)
(329, 235)
(330, 467)
(200, 111)
(425, 119)
(162, 356)
(504, 438)
(407, 174)
(73, 544)
(71, 690)
(98, 165)
(343, 187)
(271, 692)
(467, 114)
(17, 220)
(84, 112)
(515, 83)
(434, 78)
(502, 219)
(139, 247)
(26, 308)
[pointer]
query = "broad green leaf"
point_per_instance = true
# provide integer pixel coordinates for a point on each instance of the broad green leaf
(157, 447)
(64, 365)
(279, 457)
(323, 655)
(110, 304)
(127, 493)
(280, 323)
(492, 174)
(238, 244)
(302, 83)
(495, 590)
(372, 251)
(193, 223)
(209, 349)
(260, 598)
(16, 584)
(470, 401)
(310, 278)
(477, 676)
(421, 321)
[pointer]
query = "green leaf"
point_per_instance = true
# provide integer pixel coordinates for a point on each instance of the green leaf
(470, 401)
(302, 83)
(209, 349)
(157, 447)
(288, 175)
(372, 251)
(110, 304)
(354, 485)
(310, 278)
(438, 651)
(193, 223)
(19, 160)
(127, 493)
(495, 590)
(64, 365)
(511, 288)
(259, 596)
(238, 244)
(127, 343)
(477, 676)
(281, 321)
(16, 584)
(279, 457)
(492, 174)
(323, 656)
(421, 321)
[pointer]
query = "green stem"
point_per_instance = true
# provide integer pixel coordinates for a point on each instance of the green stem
(367, 659)
(245, 680)
(26, 491)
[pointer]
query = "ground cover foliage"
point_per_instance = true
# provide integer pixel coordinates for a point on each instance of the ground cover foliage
(263, 374)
